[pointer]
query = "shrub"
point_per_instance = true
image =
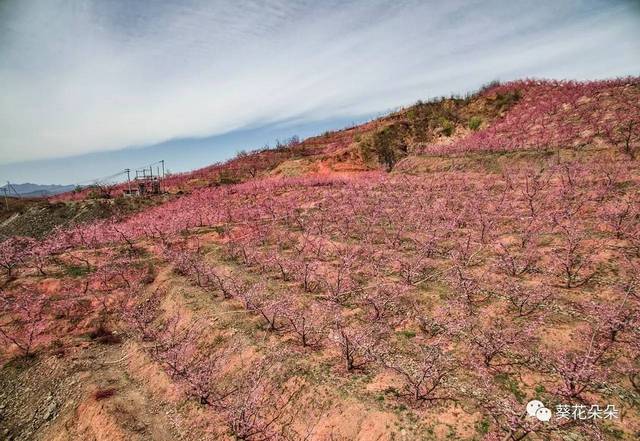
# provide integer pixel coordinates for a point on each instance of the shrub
(448, 128)
(475, 122)
(504, 101)
(389, 144)
(488, 86)
(227, 177)
(365, 149)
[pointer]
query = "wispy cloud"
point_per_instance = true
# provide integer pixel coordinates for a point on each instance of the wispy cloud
(82, 76)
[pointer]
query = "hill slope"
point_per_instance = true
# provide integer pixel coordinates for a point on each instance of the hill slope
(306, 293)
(533, 115)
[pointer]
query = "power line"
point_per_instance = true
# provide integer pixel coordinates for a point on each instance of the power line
(5, 190)
(146, 167)
(102, 179)
(124, 172)
(13, 188)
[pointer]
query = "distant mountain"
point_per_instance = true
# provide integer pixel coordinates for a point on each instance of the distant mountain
(35, 190)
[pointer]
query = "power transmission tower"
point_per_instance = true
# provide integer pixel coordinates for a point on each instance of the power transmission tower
(13, 188)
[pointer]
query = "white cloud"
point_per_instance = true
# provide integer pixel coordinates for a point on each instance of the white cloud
(87, 76)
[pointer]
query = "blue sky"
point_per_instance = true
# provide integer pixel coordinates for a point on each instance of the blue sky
(109, 84)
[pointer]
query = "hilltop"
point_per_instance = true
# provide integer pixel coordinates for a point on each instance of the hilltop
(527, 115)
(420, 276)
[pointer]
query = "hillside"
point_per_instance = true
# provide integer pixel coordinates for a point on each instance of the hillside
(421, 276)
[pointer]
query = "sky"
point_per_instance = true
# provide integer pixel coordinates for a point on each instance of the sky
(90, 87)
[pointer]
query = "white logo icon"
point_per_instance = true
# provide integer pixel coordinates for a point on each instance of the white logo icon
(535, 408)
(543, 414)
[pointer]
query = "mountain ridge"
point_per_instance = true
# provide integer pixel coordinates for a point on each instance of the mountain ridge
(29, 189)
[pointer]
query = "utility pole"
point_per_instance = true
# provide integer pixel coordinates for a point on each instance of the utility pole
(128, 180)
(161, 181)
(6, 200)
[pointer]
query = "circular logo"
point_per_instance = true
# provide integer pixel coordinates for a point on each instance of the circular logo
(543, 414)
(533, 406)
